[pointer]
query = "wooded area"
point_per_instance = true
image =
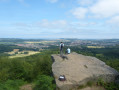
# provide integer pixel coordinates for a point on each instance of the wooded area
(36, 69)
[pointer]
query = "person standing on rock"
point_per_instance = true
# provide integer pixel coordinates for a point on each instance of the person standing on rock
(61, 48)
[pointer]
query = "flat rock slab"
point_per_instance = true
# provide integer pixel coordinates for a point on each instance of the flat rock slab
(79, 69)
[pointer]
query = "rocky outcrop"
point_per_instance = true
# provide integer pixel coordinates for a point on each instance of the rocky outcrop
(79, 69)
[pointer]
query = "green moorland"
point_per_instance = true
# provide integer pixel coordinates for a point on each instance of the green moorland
(34, 69)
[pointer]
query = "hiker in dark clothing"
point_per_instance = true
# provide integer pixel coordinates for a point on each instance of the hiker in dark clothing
(61, 48)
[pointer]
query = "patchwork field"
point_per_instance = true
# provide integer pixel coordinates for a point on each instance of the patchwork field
(43, 42)
(22, 54)
(95, 46)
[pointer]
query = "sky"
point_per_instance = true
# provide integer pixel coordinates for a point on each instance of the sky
(83, 19)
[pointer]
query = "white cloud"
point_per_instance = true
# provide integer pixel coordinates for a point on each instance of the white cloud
(52, 1)
(105, 8)
(114, 20)
(58, 24)
(79, 12)
(53, 27)
(96, 9)
(85, 2)
(21, 24)
(43, 26)
(83, 24)
(58, 28)
(61, 25)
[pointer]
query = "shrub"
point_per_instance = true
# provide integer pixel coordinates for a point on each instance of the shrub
(100, 82)
(11, 85)
(44, 83)
(26, 52)
(90, 83)
(20, 70)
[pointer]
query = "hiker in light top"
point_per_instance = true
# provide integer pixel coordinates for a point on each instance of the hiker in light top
(61, 48)
(68, 51)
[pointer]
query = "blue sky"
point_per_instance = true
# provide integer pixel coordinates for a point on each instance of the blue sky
(83, 19)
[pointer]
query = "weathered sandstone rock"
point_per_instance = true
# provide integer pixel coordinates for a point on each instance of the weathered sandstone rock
(79, 69)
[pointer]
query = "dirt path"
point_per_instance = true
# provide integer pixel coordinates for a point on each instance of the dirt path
(26, 87)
